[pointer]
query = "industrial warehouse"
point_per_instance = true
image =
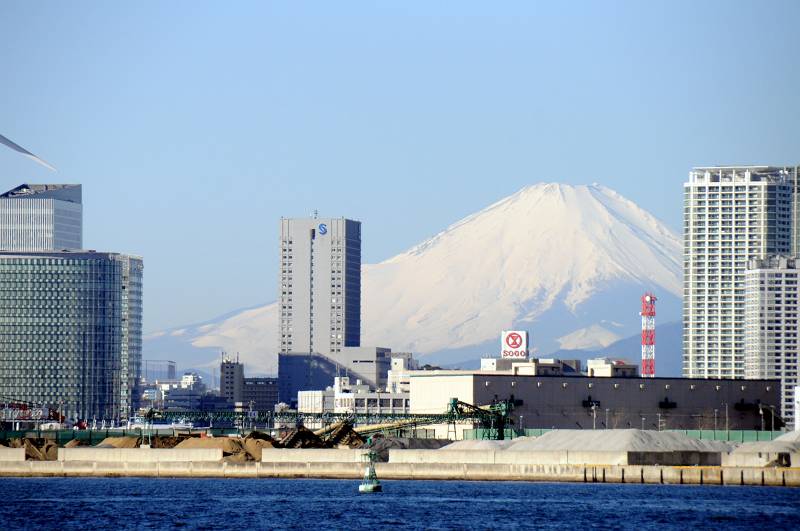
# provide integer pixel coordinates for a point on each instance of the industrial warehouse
(583, 402)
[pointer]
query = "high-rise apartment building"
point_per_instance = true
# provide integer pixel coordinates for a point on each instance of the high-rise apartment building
(731, 215)
(41, 217)
(772, 305)
(71, 331)
(320, 285)
(793, 176)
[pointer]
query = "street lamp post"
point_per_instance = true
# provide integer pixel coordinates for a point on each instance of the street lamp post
(643, 419)
(606, 418)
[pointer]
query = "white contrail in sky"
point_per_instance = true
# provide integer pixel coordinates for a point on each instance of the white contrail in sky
(20, 149)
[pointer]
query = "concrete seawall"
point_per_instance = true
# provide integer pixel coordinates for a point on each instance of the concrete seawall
(789, 477)
(12, 454)
(140, 455)
(556, 457)
(311, 455)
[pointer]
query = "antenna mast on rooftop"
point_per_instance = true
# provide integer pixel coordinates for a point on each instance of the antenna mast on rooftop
(648, 335)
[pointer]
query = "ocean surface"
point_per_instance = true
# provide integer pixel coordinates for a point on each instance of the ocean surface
(243, 504)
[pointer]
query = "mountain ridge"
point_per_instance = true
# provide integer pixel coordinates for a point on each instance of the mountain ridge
(557, 259)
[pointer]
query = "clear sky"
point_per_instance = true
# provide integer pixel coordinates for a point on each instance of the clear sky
(194, 126)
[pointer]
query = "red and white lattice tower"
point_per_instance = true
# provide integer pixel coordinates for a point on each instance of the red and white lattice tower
(648, 335)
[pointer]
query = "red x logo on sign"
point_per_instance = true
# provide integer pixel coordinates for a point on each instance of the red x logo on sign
(514, 340)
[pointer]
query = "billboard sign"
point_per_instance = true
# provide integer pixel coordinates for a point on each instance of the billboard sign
(514, 344)
(11, 414)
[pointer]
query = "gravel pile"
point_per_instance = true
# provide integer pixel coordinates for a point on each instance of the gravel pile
(479, 445)
(792, 436)
(786, 443)
(616, 441)
(382, 445)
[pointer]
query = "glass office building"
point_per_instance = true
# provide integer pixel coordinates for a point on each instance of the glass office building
(70, 331)
(41, 217)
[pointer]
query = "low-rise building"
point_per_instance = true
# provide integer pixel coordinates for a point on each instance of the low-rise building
(397, 378)
(532, 366)
(356, 397)
(607, 367)
(261, 392)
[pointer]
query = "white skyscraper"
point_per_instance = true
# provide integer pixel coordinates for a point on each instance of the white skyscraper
(773, 302)
(320, 285)
(731, 215)
(41, 217)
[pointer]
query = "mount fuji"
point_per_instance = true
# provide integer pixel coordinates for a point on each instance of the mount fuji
(567, 263)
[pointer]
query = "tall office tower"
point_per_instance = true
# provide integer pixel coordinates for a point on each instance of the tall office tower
(41, 217)
(71, 331)
(731, 215)
(772, 304)
(320, 285)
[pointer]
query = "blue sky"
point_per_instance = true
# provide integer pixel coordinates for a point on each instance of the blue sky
(194, 126)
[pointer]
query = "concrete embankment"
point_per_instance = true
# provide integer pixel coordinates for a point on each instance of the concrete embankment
(420, 471)
(140, 455)
(12, 454)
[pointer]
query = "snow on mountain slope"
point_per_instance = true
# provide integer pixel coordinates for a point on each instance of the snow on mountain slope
(552, 258)
(591, 337)
(511, 262)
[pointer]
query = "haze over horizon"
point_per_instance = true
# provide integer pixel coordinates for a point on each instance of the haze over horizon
(193, 126)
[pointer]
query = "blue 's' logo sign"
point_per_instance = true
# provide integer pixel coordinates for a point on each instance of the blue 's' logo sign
(323, 229)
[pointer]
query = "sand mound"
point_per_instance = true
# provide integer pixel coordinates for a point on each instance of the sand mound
(253, 447)
(119, 442)
(617, 441)
(228, 445)
(786, 443)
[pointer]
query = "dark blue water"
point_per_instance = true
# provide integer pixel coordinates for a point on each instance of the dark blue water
(241, 504)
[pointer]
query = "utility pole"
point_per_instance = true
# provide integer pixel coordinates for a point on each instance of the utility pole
(594, 416)
(772, 422)
(726, 418)
(715, 423)
(643, 419)
(606, 418)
